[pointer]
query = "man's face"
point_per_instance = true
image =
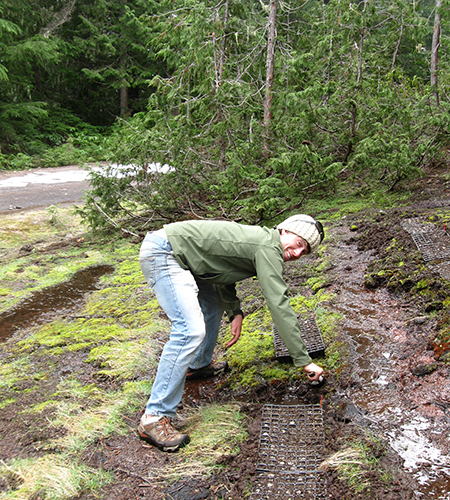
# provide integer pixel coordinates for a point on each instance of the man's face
(293, 246)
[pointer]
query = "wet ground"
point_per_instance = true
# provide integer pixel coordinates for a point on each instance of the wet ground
(395, 386)
(392, 397)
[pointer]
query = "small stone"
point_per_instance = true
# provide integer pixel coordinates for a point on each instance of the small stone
(423, 369)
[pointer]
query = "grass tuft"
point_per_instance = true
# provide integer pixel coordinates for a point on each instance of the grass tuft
(52, 477)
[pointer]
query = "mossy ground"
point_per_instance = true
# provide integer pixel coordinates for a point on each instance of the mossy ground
(72, 388)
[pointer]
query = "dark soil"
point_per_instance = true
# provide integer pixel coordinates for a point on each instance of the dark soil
(362, 246)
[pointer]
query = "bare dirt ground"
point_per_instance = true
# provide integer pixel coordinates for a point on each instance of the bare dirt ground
(419, 374)
(34, 190)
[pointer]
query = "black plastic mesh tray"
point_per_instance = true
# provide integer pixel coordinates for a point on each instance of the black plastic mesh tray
(289, 454)
(291, 439)
(288, 487)
(433, 245)
(311, 336)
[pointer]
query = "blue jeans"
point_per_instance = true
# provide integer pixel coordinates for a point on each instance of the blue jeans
(195, 311)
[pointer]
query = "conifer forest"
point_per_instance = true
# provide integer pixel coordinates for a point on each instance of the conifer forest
(250, 105)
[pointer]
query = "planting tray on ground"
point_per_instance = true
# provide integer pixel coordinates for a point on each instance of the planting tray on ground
(289, 454)
(433, 245)
(288, 487)
(291, 439)
(311, 336)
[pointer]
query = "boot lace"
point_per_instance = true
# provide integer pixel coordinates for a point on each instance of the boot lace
(165, 429)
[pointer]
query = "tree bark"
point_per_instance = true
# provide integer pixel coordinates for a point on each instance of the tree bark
(270, 70)
(219, 62)
(124, 112)
(435, 49)
(59, 19)
(224, 42)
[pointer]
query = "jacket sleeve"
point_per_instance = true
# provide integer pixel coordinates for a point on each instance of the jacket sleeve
(269, 267)
(230, 301)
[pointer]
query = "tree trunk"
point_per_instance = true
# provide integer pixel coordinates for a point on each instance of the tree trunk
(224, 42)
(397, 47)
(219, 62)
(270, 70)
(124, 111)
(435, 49)
(124, 101)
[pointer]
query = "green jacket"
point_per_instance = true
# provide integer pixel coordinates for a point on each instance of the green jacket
(226, 252)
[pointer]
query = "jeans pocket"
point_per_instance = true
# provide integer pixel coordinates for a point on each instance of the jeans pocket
(148, 270)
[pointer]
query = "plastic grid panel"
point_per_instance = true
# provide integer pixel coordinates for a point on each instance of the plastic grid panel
(434, 245)
(288, 487)
(290, 439)
(311, 336)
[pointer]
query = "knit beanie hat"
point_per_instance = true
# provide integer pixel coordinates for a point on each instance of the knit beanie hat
(305, 227)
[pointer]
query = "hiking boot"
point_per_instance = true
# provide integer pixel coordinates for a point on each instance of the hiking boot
(212, 370)
(159, 431)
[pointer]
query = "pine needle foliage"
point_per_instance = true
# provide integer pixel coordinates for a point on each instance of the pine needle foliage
(351, 101)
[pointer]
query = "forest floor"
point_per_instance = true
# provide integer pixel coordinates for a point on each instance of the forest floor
(370, 257)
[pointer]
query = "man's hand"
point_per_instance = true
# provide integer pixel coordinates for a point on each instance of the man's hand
(236, 326)
(313, 371)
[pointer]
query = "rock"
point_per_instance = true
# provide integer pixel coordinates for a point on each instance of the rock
(423, 369)
(25, 249)
(420, 320)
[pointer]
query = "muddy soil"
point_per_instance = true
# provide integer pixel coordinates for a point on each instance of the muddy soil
(418, 377)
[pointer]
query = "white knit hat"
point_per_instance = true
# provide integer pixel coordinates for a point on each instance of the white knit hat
(306, 227)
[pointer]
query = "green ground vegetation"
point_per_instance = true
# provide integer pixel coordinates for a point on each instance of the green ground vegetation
(116, 337)
(357, 461)
(117, 334)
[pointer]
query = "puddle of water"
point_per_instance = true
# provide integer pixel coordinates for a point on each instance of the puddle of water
(52, 301)
(372, 323)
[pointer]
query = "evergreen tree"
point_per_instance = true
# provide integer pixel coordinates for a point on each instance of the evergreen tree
(349, 96)
(25, 51)
(111, 62)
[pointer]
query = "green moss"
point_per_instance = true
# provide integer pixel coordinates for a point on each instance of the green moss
(6, 402)
(323, 265)
(45, 405)
(126, 359)
(274, 372)
(129, 272)
(307, 304)
(422, 284)
(133, 307)
(317, 283)
(78, 346)
(256, 340)
(76, 334)
(12, 372)
(246, 378)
